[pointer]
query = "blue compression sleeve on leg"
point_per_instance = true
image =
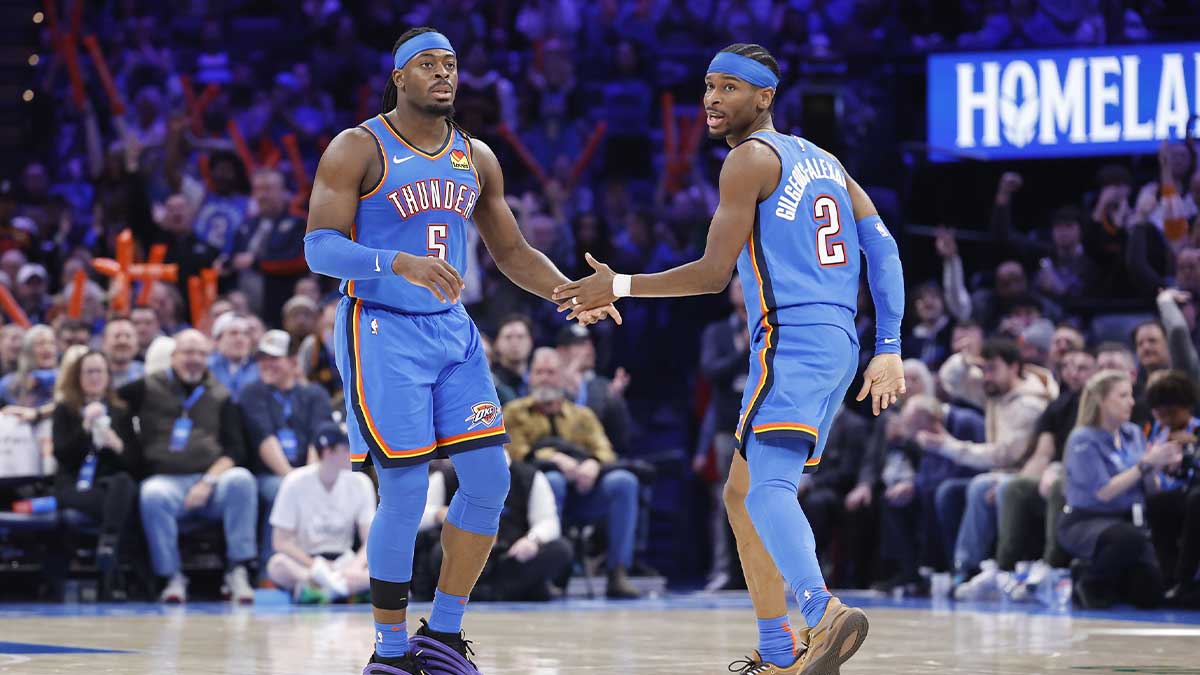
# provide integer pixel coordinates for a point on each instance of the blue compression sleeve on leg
(333, 254)
(390, 545)
(447, 613)
(775, 472)
(776, 641)
(482, 488)
(885, 275)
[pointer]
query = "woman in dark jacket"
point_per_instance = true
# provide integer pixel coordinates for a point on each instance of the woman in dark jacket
(92, 466)
(1107, 462)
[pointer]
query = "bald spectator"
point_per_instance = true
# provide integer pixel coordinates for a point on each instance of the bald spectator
(190, 434)
(231, 365)
(120, 346)
(146, 325)
(568, 441)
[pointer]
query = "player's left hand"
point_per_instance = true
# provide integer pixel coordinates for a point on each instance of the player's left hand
(883, 380)
(589, 293)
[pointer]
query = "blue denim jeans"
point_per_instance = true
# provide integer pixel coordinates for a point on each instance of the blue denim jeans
(615, 497)
(268, 487)
(980, 522)
(234, 502)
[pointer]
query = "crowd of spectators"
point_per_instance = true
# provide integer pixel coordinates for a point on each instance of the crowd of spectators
(1054, 375)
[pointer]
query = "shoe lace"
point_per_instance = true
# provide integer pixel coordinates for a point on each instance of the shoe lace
(749, 666)
(458, 643)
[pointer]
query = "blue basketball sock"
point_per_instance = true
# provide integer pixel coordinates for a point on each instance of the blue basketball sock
(776, 641)
(391, 639)
(447, 613)
(815, 601)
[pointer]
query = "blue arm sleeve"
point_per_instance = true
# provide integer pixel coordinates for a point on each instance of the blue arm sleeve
(331, 253)
(886, 278)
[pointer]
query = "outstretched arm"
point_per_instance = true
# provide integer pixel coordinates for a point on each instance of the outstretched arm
(750, 173)
(526, 266)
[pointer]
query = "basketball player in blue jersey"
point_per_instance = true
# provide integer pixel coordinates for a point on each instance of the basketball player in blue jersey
(792, 222)
(388, 216)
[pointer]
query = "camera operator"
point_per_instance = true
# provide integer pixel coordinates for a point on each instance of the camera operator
(1174, 504)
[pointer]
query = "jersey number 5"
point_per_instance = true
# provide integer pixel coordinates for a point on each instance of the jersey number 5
(436, 235)
(830, 252)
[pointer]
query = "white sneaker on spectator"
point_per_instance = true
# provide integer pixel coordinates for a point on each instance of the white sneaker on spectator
(237, 586)
(982, 586)
(1026, 590)
(333, 583)
(176, 590)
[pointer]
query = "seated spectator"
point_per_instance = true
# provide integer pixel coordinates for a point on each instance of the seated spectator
(32, 292)
(28, 392)
(1031, 503)
(146, 325)
(120, 346)
(1174, 500)
(1117, 356)
(11, 337)
(961, 376)
(529, 553)
(299, 317)
(190, 434)
(569, 441)
(1011, 290)
(93, 471)
(1066, 339)
(318, 512)
(514, 342)
(605, 396)
(822, 496)
(317, 363)
(71, 332)
(1017, 394)
(1107, 463)
(928, 337)
(167, 302)
(282, 415)
(231, 365)
(274, 244)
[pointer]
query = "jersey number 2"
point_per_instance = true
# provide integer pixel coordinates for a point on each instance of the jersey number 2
(830, 252)
(437, 240)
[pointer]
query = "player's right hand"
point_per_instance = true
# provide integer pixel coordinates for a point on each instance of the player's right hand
(430, 272)
(883, 380)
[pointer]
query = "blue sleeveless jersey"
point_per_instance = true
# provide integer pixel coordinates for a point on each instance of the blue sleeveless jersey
(422, 206)
(801, 263)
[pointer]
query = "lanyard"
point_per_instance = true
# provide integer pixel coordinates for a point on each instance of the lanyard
(192, 398)
(285, 402)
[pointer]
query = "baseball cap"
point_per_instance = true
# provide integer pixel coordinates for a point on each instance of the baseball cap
(573, 334)
(298, 302)
(223, 323)
(329, 434)
(274, 343)
(1039, 334)
(30, 270)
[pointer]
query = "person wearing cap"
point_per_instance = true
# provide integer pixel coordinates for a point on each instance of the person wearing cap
(189, 432)
(299, 317)
(31, 291)
(281, 415)
(605, 396)
(319, 510)
(231, 365)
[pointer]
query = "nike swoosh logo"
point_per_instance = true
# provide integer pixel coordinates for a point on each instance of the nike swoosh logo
(398, 160)
(886, 341)
(377, 263)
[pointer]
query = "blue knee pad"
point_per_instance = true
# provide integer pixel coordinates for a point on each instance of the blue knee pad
(402, 495)
(482, 489)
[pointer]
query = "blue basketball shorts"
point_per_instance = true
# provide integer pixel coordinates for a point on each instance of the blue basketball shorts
(798, 378)
(417, 386)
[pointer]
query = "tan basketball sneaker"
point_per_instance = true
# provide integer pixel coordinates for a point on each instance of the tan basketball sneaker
(756, 666)
(834, 639)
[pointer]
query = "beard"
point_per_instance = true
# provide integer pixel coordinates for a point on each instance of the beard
(544, 394)
(439, 110)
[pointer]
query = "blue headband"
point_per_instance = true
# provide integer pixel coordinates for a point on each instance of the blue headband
(744, 68)
(421, 43)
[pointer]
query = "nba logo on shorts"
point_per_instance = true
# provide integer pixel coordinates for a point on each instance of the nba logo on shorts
(374, 326)
(485, 414)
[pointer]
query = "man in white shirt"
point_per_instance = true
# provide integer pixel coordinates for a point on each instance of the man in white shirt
(317, 512)
(529, 552)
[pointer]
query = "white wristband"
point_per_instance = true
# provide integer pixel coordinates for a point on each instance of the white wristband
(621, 284)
